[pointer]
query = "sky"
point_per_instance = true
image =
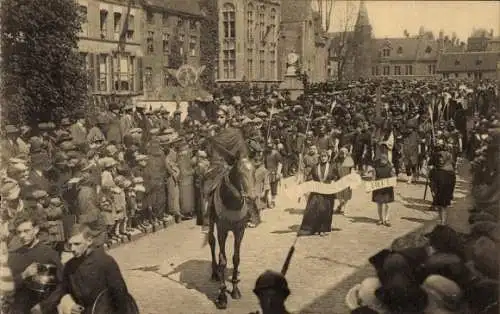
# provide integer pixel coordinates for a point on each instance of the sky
(391, 18)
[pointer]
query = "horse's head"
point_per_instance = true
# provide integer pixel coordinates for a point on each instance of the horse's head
(243, 176)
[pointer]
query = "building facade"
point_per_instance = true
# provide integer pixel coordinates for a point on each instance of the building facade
(303, 34)
(248, 41)
(111, 72)
(171, 40)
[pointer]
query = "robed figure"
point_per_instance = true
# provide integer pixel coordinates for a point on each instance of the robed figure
(319, 209)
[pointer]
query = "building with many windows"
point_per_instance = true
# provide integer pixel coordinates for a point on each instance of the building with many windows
(248, 41)
(111, 72)
(171, 40)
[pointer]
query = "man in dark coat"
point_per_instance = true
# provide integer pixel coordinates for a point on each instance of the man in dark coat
(87, 275)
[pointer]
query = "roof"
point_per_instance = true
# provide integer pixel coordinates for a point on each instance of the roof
(362, 19)
(296, 11)
(179, 6)
(406, 49)
(468, 61)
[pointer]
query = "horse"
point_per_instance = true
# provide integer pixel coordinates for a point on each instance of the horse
(228, 211)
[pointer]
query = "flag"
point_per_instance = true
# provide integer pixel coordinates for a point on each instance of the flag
(123, 33)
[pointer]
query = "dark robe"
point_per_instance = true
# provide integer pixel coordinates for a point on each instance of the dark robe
(319, 210)
(86, 277)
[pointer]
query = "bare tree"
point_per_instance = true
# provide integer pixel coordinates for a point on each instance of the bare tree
(325, 10)
(343, 41)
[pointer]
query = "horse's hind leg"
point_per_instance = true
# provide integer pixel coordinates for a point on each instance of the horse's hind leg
(211, 241)
(238, 238)
(222, 233)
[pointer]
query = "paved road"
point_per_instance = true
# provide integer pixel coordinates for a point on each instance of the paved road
(169, 271)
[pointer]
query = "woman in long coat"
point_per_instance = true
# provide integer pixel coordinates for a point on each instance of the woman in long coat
(186, 180)
(173, 173)
(383, 169)
(343, 165)
(319, 210)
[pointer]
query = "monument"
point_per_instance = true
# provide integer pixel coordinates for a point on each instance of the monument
(292, 82)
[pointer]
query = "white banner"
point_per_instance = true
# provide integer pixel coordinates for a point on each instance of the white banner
(295, 190)
(380, 184)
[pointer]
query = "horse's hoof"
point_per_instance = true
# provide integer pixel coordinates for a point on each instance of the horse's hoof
(215, 277)
(221, 302)
(236, 294)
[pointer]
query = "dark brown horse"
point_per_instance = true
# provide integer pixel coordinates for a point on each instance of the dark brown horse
(228, 211)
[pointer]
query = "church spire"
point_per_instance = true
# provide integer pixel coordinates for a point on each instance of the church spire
(362, 15)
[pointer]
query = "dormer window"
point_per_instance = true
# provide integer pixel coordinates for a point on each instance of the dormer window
(457, 62)
(400, 50)
(428, 50)
(386, 52)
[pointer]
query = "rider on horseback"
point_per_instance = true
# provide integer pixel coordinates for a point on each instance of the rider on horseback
(226, 148)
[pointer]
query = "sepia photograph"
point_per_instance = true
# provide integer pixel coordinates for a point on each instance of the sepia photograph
(249, 157)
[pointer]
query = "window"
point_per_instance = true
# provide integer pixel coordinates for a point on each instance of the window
(456, 75)
(181, 44)
(428, 50)
(479, 62)
(457, 62)
(431, 68)
(122, 80)
(84, 15)
(104, 23)
(250, 67)
(262, 65)
(166, 44)
(250, 22)
(229, 20)
(167, 78)
(193, 25)
(150, 17)
(131, 73)
(272, 67)
(387, 70)
(148, 78)
(262, 20)
(117, 20)
(180, 23)
(164, 18)
(131, 27)
(469, 74)
(273, 24)
(103, 73)
(400, 50)
(192, 45)
(386, 52)
(397, 70)
(229, 64)
(150, 42)
(409, 70)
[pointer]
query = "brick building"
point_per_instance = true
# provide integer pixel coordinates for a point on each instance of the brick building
(110, 72)
(171, 40)
(303, 34)
(248, 41)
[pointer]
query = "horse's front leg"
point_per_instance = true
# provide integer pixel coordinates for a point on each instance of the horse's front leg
(238, 238)
(221, 301)
(211, 241)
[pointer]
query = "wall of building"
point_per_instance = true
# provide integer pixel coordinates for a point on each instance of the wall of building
(98, 44)
(169, 31)
(491, 75)
(252, 54)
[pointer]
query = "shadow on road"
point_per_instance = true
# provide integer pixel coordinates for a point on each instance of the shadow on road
(360, 219)
(195, 274)
(414, 200)
(413, 219)
(295, 211)
(291, 229)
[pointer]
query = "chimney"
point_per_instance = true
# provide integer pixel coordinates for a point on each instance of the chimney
(491, 32)
(441, 35)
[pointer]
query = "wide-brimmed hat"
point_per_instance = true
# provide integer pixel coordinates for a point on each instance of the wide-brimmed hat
(10, 189)
(65, 122)
(444, 295)
(11, 129)
(363, 294)
(107, 162)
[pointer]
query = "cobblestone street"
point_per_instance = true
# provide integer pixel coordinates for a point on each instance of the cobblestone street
(169, 271)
